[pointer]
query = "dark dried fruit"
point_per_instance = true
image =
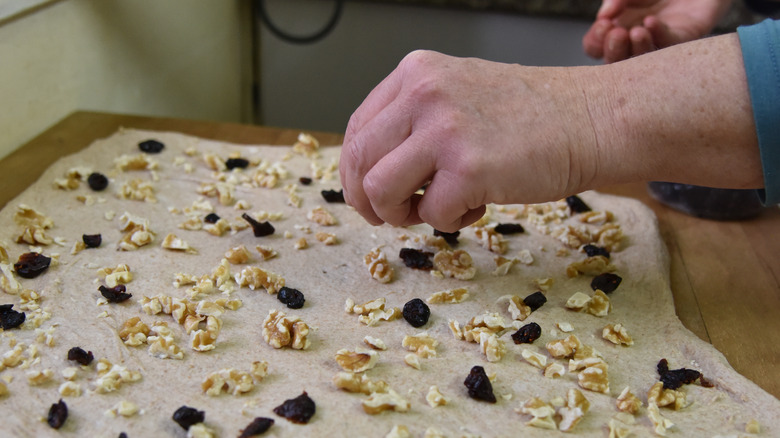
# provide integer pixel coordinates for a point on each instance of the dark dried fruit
(509, 229)
(258, 426)
(211, 218)
(673, 379)
(233, 163)
(92, 240)
(58, 413)
(305, 180)
(186, 416)
(292, 298)
(527, 334)
(260, 229)
(450, 238)
(122, 435)
(151, 146)
(298, 410)
(576, 204)
(10, 318)
(416, 259)
(479, 385)
(332, 196)
(31, 264)
(97, 181)
(116, 294)
(416, 312)
(79, 355)
(606, 282)
(535, 300)
(593, 250)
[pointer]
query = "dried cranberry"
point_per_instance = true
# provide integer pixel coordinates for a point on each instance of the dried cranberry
(116, 294)
(10, 318)
(416, 259)
(576, 204)
(97, 181)
(527, 334)
(593, 250)
(92, 240)
(479, 385)
(292, 298)
(58, 413)
(416, 312)
(305, 180)
(298, 410)
(211, 218)
(260, 229)
(31, 264)
(509, 228)
(450, 238)
(79, 355)
(673, 379)
(151, 146)
(332, 196)
(233, 163)
(258, 426)
(186, 416)
(535, 300)
(606, 282)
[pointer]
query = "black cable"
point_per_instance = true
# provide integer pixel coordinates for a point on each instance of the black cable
(296, 39)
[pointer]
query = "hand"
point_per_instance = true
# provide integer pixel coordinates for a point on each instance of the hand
(626, 28)
(474, 131)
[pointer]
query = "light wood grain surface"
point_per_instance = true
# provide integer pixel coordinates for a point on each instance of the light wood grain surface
(725, 276)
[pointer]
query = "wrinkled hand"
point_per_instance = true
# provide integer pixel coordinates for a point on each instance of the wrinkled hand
(476, 132)
(626, 28)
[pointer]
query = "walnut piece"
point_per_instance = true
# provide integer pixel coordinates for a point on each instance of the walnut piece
(378, 266)
(413, 361)
(327, 238)
(111, 377)
(266, 252)
(518, 309)
(238, 255)
(660, 423)
(628, 402)
(228, 381)
(174, 243)
(571, 414)
(564, 348)
(372, 312)
(435, 397)
(491, 240)
(457, 264)
(617, 334)
(590, 266)
(554, 370)
(255, 278)
(594, 376)
(421, 344)
(660, 396)
(541, 411)
(356, 361)
(535, 359)
(375, 343)
(385, 401)
(134, 332)
(360, 383)
(280, 330)
(450, 296)
(321, 216)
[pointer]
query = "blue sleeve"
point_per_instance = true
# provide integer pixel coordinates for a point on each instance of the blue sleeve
(761, 56)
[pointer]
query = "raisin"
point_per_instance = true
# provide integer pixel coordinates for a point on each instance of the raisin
(151, 146)
(258, 426)
(535, 300)
(92, 240)
(416, 312)
(673, 379)
(509, 229)
(186, 416)
(260, 229)
(79, 355)
(31, 264)
(122, 435)
(211, 218)
(527, 333)
(450, 238)
(332, 196)
(479, 385)
(576, 204)
(593, 250)
(416, 259)
(606, 282)
(292, 298)
(233, 163)
(97, 181)
(305, 180)
(116, 294)
(298, 410)
(10, 318)
(58, 413)
(662, 367)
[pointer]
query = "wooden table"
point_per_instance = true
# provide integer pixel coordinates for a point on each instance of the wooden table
(725, 276)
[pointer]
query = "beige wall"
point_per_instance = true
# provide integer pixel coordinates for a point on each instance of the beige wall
(180, 58)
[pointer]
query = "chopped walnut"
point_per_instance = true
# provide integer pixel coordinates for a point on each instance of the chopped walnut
(385, 401)
(375, 343)
(255, 278)
(421, 344)
(628, 402)
(378, 266)
(8, 281)
(114, 276)
(542, 413)
(34, 235)
(544, 284)
(449, 296)
(327, 238)
(617, 430)
(609, 236)
(590, 266)
(572, 237)
(563, 348)
(660, 396)
(280, 330)
(174, 243)
(206, 340)
(134, 332)
(356, 361)
(218, 228)
(595, 217)
(266, 252)
(137, 190)
(535, 359)
(111, 377)
(228, 381)
(594, 377)
(70, 373)
(399, 431)
(124, 408)
(301, 243)
(372, 312)
(617, 334)
(135, 162)
(578, 301)
(599, 304)
(457, 264)
(413, 361)
(753, 426)
(162, 344)
(660, 423)
(491, 240)
(69, 389)
(137, 232)
(554, 370)
(493, 347)
(352, 382)
(518, 309)
(3, 389)
(571, 414)
(306, 145)
(503, 265)
(238, 255)
(27, 216)
(39, 377)
(200, 430)
(435, 397)
(321, 216)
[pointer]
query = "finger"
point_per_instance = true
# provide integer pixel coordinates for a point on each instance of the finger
(610, 8)
(593, 41)
(660, 33)
(445, 204)
(641, 41)
(392, 182)
(617, 47)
